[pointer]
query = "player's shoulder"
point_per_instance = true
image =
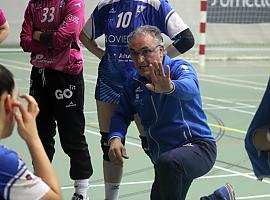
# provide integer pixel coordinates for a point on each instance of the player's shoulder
(8, 158)
(104, 3)
(155, 3)
(182, 65)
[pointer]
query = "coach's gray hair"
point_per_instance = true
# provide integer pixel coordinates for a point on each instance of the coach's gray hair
(146, 30)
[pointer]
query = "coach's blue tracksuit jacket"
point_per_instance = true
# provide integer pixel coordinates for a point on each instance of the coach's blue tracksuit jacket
(169, 120)
(260, 160)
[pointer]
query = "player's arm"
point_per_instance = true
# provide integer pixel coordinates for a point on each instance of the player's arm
(28, 131)
(69, 28)
(4, 31)
(120, 122)
(175, 28)
(182, 42)
(185, 81)
(91, 45)
(27, 42)
(94, 28)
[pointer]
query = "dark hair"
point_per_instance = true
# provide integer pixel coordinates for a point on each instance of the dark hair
(147, 30)
(6, 80)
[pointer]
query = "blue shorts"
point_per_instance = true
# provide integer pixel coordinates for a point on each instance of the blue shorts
(111, 80)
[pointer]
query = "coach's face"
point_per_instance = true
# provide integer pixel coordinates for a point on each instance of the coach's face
(144, 50)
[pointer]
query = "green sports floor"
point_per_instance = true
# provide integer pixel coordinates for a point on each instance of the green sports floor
(231, 92)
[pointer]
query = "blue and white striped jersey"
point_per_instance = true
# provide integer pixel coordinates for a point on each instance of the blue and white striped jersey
(16, 181)
(117, 18)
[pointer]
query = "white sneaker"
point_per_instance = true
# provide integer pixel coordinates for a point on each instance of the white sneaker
(78, 197)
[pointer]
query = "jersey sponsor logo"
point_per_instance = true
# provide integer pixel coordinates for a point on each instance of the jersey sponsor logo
(78, 4)
(42, 59)
(124, 56)
(73, 18)
(119, 57)
(140, 8)
(28, 177)
(71, 104)
(184, 67)
(66, 93)
(112, 11)
(116, 39)
(138, 90)
(138, 99)
(188, 145)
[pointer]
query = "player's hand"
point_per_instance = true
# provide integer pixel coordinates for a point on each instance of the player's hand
(36, 35)
(117, 152)
(26, 118)
(160, 81)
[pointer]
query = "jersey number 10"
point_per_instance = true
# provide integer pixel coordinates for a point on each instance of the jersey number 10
(124, 19)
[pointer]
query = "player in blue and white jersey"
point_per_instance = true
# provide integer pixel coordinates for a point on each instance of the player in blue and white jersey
(115, 19)
(16, 181)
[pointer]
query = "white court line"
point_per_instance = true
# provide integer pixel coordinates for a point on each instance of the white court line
(254, 197)
(214, 106)
(234, 173)
(90, 112)
(223, 176)
(102, 185)
(225, 83)
(215, 166)
(150, 181)
(228, 101)
(239, 173)
(232, 79)
(231, 84)
(200, 78)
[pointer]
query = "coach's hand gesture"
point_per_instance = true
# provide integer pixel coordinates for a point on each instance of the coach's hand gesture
(160, 81)
(117, 151)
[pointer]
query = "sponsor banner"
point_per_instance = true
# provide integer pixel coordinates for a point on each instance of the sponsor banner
(238, 11)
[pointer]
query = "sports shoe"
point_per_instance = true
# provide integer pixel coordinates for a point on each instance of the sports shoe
(226, 192)
(78, 197)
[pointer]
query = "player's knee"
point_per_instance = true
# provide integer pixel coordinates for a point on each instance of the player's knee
(105, 145)
(144, 144)
(166, 162)
(261, 139)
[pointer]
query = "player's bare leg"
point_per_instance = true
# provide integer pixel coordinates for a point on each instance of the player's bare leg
(112, 173)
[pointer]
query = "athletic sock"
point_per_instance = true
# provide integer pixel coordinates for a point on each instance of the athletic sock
(81, 187)
(111, 191)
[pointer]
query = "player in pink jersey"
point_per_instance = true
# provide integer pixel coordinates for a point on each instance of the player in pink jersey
(50, 31)
(4, 28)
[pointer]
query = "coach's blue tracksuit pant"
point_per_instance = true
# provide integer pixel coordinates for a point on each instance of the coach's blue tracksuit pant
(176, 169)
